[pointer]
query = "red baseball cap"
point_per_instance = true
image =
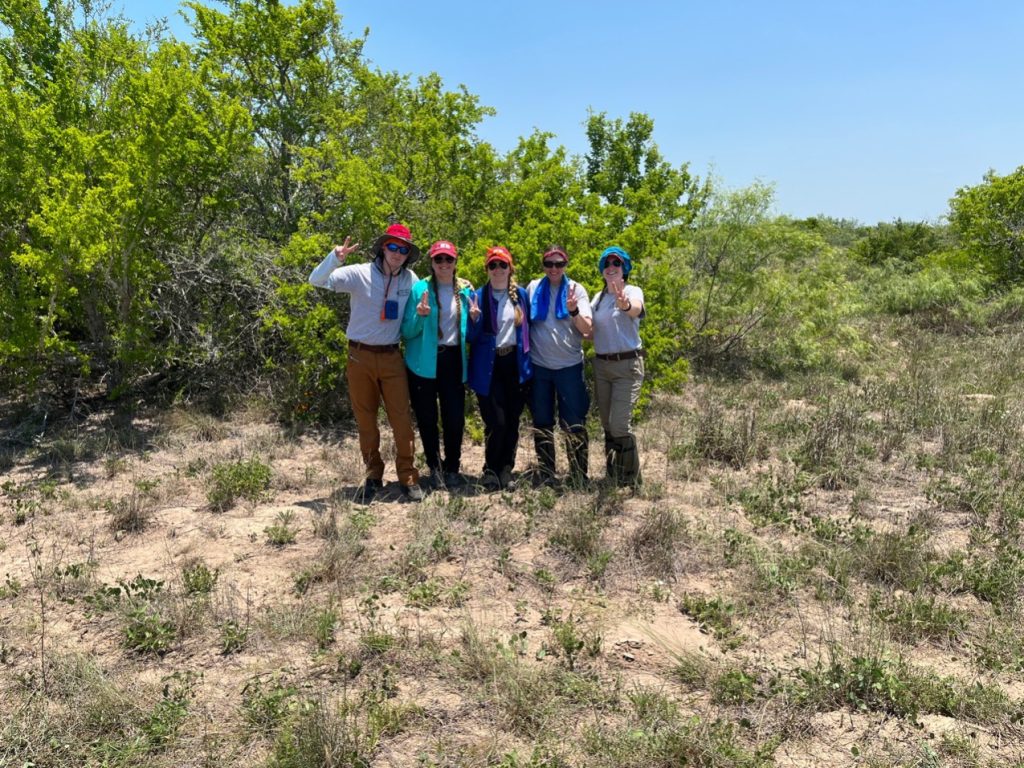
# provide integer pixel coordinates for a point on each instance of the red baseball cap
(498, 253)
(443, 246)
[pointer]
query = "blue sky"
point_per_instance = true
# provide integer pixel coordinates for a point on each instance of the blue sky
(872, 111)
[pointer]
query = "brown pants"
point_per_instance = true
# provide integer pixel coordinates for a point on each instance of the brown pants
(373, 377)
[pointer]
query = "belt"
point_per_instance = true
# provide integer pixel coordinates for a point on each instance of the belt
(372, 347)
(631, 355)
(502, 351)
(446, 347)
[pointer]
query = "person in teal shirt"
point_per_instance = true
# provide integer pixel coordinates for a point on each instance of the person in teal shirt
(434, 329)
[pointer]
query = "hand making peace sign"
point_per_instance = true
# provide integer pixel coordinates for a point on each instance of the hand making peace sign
(341, 252)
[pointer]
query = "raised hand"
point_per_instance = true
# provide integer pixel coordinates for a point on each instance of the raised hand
(474, 308)
(423, 308)
(619, 289)
(571, 302)
(342, 251)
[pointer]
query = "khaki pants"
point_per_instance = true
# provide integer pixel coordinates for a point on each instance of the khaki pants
(374, 377)
(617, 389)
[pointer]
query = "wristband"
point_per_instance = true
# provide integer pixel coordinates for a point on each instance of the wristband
(629, 306)
(574, 312)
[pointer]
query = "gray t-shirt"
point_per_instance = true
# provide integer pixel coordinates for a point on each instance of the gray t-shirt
(447, 317)
(506, 315)
(555, 343)
(369, 288)
(615, 331)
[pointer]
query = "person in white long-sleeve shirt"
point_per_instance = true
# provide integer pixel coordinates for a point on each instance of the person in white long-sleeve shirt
(379, 291)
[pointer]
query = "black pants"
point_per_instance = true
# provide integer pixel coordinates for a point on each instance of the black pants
(501, 411)
(448, 391)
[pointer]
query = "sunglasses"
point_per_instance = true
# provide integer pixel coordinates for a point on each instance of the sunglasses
(554, 264)
(402, 249)
(613, 263)
(444, 259)
(497, 265)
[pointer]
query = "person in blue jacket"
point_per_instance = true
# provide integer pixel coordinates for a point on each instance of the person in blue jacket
(434, 328)
(499, 364)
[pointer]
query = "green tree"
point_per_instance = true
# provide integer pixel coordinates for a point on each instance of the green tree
(763, 287)
(119, 153)
(291, 67)
(988, 218)
(647, 204)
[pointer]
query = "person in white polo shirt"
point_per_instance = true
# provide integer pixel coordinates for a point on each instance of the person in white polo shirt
(376, 371)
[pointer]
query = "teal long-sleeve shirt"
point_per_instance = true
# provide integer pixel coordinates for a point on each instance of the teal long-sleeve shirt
(420, 332)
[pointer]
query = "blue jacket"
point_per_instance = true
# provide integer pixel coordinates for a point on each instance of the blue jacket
(420, 333)
(483, 346)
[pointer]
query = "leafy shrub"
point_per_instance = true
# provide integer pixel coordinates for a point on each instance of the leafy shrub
(937, 296)
(232, 480)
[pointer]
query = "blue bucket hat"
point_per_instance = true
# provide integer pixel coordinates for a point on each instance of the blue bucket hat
(627, 263)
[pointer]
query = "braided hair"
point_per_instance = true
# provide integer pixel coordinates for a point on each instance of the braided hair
(457, 285)
(513, 295)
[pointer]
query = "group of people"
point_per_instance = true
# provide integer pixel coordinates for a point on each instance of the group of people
(515, 347)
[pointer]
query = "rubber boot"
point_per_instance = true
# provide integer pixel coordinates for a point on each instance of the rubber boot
(627, 462)
(577, 445)
(544, 445)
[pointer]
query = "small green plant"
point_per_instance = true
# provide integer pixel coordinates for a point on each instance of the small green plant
(233, 637)
(734, 686)
(456, 595)
(545, 579)
(773, 499)
(232, 480)
(163, 722)
(281, 533)
(198, 579)
(426, 594)
(147, 632)
(571, 639)
(918, 617)
(714, 616)
(265, 705)
(12, 587)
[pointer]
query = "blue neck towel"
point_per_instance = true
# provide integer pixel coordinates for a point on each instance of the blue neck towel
(542, 299)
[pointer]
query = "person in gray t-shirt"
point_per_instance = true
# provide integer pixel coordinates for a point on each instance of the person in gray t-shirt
(560, 317)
